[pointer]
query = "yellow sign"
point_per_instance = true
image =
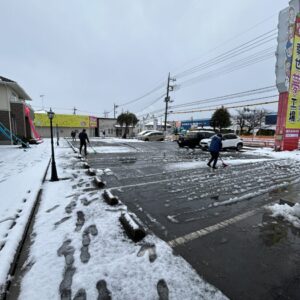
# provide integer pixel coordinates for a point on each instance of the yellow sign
(93, 122)
(71, 121)
(293, 109)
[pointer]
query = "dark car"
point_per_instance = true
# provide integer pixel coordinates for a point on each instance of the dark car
(193, 138)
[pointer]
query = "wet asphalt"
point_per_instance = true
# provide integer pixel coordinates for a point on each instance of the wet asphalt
(254, 257)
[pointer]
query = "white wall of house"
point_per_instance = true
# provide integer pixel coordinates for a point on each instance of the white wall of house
(5, 96)
(44, 132)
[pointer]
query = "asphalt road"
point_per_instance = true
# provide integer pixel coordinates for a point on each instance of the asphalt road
(216, 219)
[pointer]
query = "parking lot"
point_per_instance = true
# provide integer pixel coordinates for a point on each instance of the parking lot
(216, 219)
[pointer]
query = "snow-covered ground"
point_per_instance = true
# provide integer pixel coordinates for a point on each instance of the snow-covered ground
(79, 245)
(203, 164)
(21, 176)
(115, 140)
(109, 149)
(295, 155)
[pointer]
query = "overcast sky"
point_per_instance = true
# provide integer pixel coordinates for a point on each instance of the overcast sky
(90, 54)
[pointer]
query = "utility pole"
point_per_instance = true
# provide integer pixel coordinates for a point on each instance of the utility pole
(167, 100)
(74, 110)
(105, 113)
(115, 110)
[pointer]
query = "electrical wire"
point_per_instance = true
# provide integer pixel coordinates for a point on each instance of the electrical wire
(143, 96)
(230, 39)
(152, 103)
(228, 96)
(228, 107)
(231, 67)
(245, 47)
(219, 98)
(214, 107)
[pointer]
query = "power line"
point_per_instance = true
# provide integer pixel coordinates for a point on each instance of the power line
(260, 40)
(213, 108)
(231, 39)
(143, 96)
(237, 65)
(228, 107)
(245, 47)
(231, 67)
(228, 96)
(153, 102)
(223, 97)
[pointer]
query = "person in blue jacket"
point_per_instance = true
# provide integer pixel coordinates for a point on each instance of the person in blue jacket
(214, 149)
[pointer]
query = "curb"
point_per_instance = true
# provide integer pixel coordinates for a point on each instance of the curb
(91, 172)
(98, 181)
(110, 198)
(86, 165)
(132, 227)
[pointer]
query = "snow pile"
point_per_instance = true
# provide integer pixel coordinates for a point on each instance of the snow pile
(106, 255)
(203, 164)
(295, 155)
(115, 140)
(290, 214)
(113, 149)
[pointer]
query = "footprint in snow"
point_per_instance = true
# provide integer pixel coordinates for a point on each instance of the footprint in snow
(151, 248)
(162, 290)
(52, 208)
(86, 240)
(104, 292)
(80, 220)
(62, 221)
(80, 295)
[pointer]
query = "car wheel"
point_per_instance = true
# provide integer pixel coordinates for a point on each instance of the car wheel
(239, 146)
(146, 140)
(161, 140)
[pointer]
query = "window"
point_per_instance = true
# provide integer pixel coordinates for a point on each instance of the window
(229, 137)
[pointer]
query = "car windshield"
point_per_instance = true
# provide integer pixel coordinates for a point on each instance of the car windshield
(192, 134)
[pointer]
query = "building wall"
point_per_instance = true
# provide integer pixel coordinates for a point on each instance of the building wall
(108, 125)
(18, 119)
(44, 132)
(5, 94)
(4, 119)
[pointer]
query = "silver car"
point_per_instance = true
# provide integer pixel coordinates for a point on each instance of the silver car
(152, 136)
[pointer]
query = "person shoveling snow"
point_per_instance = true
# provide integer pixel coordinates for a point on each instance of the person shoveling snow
(214, 149)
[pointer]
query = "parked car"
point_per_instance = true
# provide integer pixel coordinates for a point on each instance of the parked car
(146, 131)
(152, 136)
(229, 141)
(193, 138)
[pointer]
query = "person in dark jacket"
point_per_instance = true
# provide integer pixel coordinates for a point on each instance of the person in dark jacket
(73, 135)
(83, 137)
(214, 149)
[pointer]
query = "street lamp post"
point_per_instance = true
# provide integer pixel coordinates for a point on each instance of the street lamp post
(53, 165)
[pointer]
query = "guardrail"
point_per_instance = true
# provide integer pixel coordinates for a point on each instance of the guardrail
(260, 141)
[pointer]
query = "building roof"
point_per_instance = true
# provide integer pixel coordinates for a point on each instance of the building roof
(15, 87)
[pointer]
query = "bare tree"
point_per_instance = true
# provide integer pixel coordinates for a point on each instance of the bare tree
(241, 119)
(254, 118)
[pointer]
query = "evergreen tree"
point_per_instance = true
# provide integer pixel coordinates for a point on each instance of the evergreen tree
(127, 119)
(220, 118)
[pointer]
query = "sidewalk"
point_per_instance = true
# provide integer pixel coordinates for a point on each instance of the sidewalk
(80, 251)
(22, 172)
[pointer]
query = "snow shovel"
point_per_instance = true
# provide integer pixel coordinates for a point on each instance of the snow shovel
(224, 165)
(93, 148)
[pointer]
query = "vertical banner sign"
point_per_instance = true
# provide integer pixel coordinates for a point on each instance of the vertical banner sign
(293, 111)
